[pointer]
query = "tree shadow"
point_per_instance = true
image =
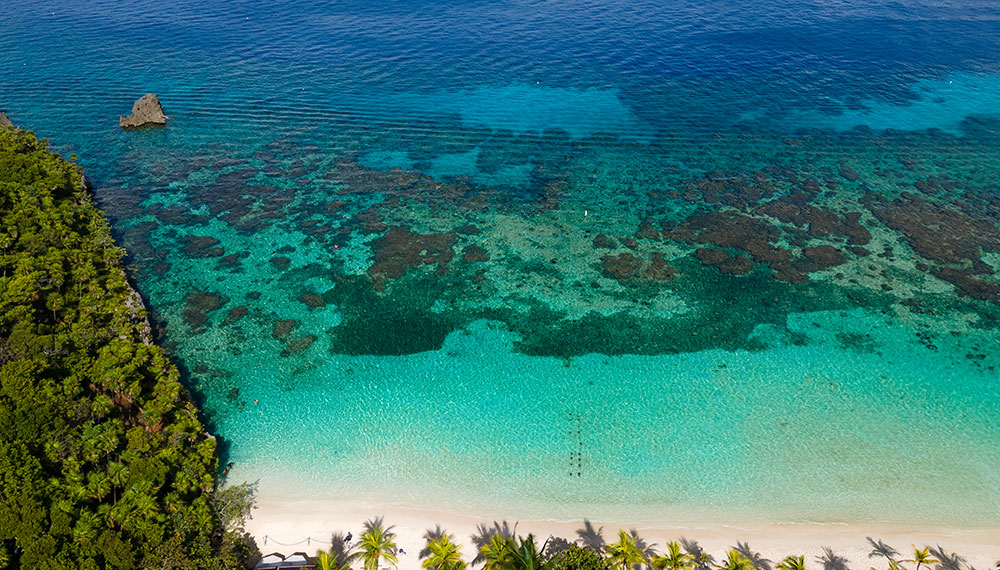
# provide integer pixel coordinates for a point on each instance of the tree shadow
(701, 559)
(555, 546)
(379, 523)
(591, 538)
(646, 548)
(340, 550)
(755, 558)
(882, 549)
(831, 561)
(947, 561)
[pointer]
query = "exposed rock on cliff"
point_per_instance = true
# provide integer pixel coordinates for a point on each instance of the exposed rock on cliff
(5, 120)
(146, 111)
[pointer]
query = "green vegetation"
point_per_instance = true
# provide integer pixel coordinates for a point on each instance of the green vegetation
(673, 559)
(792, 563)
(378, 542)
(443, 554)
(103, 461)
(626, 552)
(500, 548)
(577, 558)
(922, 557)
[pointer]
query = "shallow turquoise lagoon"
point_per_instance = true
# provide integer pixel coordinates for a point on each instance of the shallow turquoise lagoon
(717, 262)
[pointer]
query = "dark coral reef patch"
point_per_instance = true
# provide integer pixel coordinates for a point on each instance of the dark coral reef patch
(401, 249)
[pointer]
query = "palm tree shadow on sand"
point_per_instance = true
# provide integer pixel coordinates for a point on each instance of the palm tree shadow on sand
(948, 561)
(591, 538)
(340, 551)
(882, 549)
(701, 559)
(755, 558)
(831, 561)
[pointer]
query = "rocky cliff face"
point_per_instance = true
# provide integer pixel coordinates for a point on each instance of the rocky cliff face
(5, 120)
(146, 111)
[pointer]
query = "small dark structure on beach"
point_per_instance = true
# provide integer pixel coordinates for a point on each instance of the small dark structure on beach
(276, 561)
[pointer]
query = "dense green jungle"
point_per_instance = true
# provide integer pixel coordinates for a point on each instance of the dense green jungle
(104, 462)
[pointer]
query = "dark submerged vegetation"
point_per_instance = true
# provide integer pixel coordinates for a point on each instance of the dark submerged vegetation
(104, 462)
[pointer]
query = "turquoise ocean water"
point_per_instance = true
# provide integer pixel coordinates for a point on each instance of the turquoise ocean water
(717, 261)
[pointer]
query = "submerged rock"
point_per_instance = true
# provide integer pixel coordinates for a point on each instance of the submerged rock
(312, 300)
(473, 253)
(604, 242)
(146, 111)
(280, 262)
(298, 345)
(197, 306)
(201, 246)
(283, 328)
(628, 269)
(401, 249)
(235, 314)
(824, 256)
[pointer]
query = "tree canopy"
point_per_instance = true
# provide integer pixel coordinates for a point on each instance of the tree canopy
(103, 460)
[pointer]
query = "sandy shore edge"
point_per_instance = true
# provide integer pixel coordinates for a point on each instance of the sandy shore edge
(290, 526)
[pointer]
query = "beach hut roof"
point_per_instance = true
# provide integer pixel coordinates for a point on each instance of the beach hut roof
(276, 561)
(297, 560)
(270, 561)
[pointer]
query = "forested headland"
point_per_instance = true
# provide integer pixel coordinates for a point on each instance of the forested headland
(103, 460)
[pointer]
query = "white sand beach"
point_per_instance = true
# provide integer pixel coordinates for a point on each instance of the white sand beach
(306, 526)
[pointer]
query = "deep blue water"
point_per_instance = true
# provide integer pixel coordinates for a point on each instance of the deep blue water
(716, 259)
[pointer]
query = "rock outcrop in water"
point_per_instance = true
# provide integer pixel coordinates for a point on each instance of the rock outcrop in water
(146, 111)
(5, 120)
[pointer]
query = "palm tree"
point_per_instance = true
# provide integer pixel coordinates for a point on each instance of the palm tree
(673, 559)
(625, 552)
(443, 554)
(484, 535)
(527, 556)
(894, 565)
(735, 561)
(430, 535)
(377, 541)
(792, 563)
(923, 557)
(328, 560)
(498, 552)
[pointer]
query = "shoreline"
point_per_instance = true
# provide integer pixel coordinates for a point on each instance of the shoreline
(286, 527)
